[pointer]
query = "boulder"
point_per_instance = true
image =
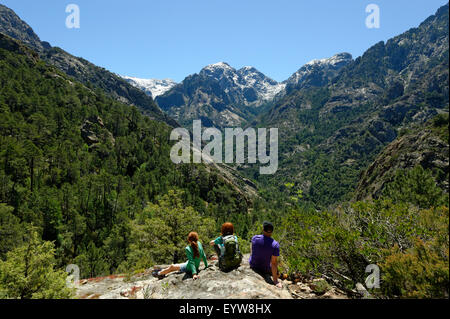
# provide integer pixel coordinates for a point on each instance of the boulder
(93, 131)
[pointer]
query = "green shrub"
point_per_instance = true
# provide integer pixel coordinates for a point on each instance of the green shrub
(343, 242)
(320, 286)
(419, 272)
(416, 186)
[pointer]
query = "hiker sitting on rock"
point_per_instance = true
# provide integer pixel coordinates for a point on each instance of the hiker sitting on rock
(227, 248)
(264, 254)
(194, 252)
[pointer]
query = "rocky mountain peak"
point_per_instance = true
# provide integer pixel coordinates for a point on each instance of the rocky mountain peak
(219, 93)
(247, 68)
(318, 72)
(217, 70)
(336, 61)
(218, 66)
(247, 76)
(251, 75)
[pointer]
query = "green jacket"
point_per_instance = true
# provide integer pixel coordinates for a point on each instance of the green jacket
(194, 263)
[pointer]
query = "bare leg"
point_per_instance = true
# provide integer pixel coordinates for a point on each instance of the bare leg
(170, 269)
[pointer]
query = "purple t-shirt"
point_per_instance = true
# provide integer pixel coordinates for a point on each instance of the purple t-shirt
(263, 248)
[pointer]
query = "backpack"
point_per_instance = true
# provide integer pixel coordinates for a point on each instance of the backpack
(230, 256)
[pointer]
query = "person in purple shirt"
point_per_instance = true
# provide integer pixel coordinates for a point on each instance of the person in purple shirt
(264, 254)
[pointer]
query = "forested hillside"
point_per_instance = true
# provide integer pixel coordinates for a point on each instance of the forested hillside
(82, 169)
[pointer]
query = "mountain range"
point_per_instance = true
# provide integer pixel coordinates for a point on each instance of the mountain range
(222, 96)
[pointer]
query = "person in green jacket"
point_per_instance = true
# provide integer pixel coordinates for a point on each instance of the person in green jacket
(194, 252)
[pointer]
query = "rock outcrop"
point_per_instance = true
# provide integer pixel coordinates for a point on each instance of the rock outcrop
(242, 283)
(18, 29)
(93, 131)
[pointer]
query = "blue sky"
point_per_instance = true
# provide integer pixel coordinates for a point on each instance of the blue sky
(175, 38)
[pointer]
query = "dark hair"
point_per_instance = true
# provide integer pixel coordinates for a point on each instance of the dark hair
(227, 229)
(268, 226)
(193, 239)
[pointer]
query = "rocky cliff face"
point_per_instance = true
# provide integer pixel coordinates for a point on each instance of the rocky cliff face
(422, 147)
(242, 283)
(17, 29)
(248, 84)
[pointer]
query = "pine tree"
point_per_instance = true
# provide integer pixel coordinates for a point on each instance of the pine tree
(29, 271)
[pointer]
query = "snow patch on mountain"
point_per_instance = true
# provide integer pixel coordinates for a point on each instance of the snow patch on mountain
(327, 65)
(152, 87)
(335, 60)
